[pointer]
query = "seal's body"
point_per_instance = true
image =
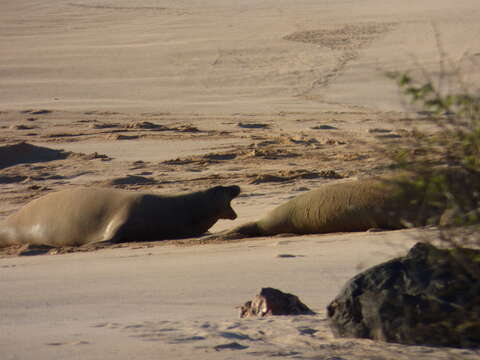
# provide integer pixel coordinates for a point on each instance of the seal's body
(81, 216)
(339, 207)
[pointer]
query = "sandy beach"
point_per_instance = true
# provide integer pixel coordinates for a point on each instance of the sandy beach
(168, 96)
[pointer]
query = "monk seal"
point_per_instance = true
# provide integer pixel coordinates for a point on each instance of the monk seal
(75, 217)
(358, 205)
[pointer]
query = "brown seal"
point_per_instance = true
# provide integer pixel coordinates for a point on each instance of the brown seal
(357, 205)
(81, 216)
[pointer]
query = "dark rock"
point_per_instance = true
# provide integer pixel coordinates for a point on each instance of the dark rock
(274, 302)
(429, 297)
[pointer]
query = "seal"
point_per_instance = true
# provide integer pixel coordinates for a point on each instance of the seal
(75, 217)
(357, 205)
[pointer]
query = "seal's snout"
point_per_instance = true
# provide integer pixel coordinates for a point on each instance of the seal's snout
(231, 191)
(234, 191)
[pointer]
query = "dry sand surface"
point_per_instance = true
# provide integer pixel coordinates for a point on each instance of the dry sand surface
(277, 96)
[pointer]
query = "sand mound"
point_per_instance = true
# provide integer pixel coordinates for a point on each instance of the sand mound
(25, 153)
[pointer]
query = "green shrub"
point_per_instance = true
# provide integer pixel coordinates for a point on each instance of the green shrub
(445, 158)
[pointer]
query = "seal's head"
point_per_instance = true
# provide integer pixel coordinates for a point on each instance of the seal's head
(221, 197)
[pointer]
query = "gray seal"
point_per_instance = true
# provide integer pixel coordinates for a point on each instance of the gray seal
(75, 217)
(349, 206)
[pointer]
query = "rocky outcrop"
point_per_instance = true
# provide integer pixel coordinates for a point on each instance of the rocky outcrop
(271, 301)
(429, 297)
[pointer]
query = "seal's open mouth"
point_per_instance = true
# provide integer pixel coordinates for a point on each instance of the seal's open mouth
(231, 214)
(234, 191)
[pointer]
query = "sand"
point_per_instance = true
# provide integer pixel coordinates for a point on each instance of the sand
(167, 96)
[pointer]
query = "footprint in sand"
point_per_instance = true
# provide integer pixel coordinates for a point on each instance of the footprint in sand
(82, 342)
(36, 112)
(288, 256)
(187, 339)
(305, 330)
(324, 127)
(22, 127)
(253, 125)
(230, 346)
(234, 336)
(107, 325)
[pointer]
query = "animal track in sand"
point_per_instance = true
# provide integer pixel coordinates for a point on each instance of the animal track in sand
(277, 336)
(348, 38)
(284, 176)
(126, 180)
(105, 5)
(36, 112)
(81, 342)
